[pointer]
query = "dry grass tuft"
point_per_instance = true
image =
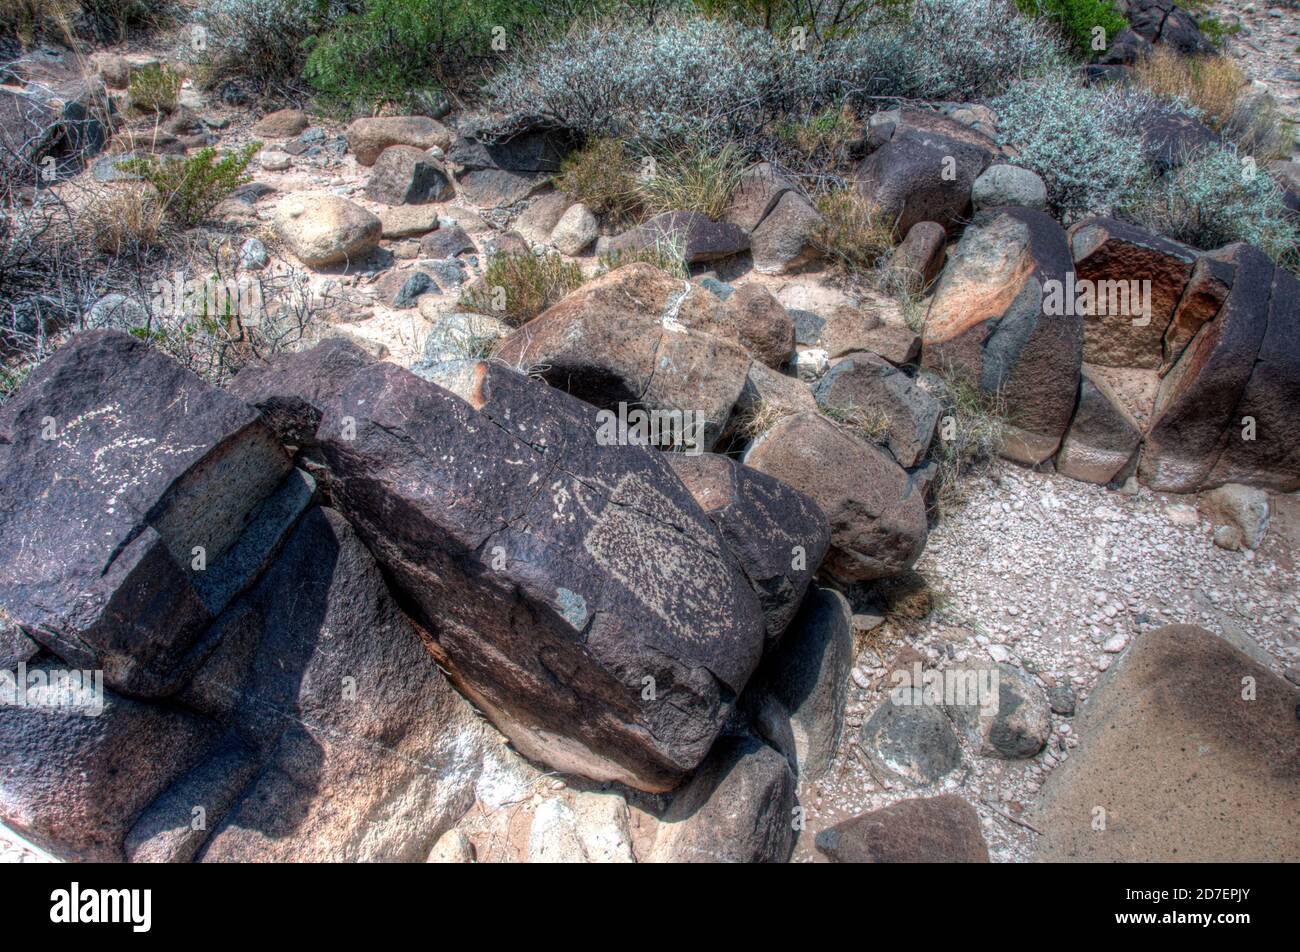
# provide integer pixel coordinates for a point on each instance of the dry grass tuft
(1212, 84)
(701, 178)
(518, 287)
(853, 233)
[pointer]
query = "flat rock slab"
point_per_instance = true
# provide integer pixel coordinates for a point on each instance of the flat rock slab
(1182, 766)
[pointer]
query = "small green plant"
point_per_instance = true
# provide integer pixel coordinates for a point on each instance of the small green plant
(699, 178)
(154, 89)
(518, 287)
(190, 188)
(603, 176)
(852, 232)
(1217, 32)
(1078, 21)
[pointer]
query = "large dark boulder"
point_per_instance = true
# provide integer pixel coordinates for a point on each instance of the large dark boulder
(921, 167)
(1195, 413)
(991, 321)
(574, 591)
(942, 829)
(777, 534)
(877, 516)
(137, 501)
(738, 808)
(346, 743)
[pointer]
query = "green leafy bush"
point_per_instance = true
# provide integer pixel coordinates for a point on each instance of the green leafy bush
(1077, 20)
(391, 47)
(190, 188)
(1217, 197)
(518, 287)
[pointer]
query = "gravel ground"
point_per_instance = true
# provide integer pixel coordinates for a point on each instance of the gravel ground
(1058, 577)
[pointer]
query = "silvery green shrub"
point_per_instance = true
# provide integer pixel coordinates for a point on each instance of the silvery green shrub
(684, 79)
(1084, 141)
(1219, 196)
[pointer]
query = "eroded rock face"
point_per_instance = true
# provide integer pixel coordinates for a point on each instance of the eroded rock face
(123, 473)
(1114, 255)
(553, 574)
(876, 515)
(988, 322)
(777, 534)
(405, 175)
(1102, 437)
(1196, 409)
(627, 338)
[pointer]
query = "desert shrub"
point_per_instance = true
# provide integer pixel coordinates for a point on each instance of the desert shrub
(518, 287)
(1216, 31)
(699, 178)
(946, 49)
(1081, 140)
(1210, 85)
(391, 47)
(668, 254)
(188, 189)
(154, 89)
(1217, 197)
(853, 233)
(1077, 20)
(257, 41)
(604, 176)
(684, 80)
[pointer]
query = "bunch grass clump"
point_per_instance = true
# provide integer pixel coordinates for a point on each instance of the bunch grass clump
(603, 175)
(154, 89)
(518, 287)
(698, 178)
(1211, 85)
(853, 232)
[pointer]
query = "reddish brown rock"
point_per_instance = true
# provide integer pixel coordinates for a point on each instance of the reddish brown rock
(700, 238)
(1206, 290)
(623, 339)
(760, 188)
(920, 255)
(1178, 762)
(1111, 256)
(1196, 411)
(368, 138)
(760, 324)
